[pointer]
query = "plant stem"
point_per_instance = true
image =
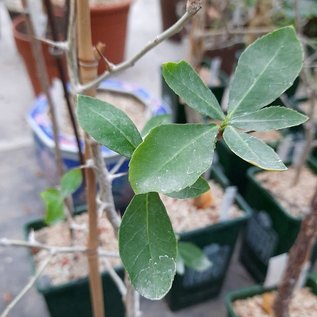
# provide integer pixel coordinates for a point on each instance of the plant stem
(45, 85)
(54, 249)
(27, 287)
(62, 75)
(298, 256)
(193, 6)
(88, 71)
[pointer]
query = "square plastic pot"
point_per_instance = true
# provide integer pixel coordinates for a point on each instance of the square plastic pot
(258, 290)
(271, 230)
(217, 242)
(73, 299)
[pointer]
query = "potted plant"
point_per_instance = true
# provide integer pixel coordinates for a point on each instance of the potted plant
(256, 300)
(134, 100)
(214, 227)
(158, 166)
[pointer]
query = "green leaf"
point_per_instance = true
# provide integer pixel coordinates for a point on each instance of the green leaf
(265, 70)
(54, 205)
(193, 257)
(252, 150)
(108, 125)
(271, 118)
(155, 122)
(186, 83)
(172, 157)
(71, 181)
(198, 188)
(147, 246)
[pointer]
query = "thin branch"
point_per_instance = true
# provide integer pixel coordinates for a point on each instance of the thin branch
(129, 63)
(28, 286)
(62, 45)
(105, 191)
(116, 168)
(54, 249)
(116, 278)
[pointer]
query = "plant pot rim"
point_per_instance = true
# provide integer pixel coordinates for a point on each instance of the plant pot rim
(49, 288)
(252, 171)
(102, 7)
(41, 126)
(17, 21)
(254, 290)
(221, 179)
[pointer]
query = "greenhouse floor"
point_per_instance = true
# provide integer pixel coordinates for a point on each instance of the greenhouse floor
(21, 179)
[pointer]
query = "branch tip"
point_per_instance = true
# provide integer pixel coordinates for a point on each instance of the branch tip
(193, 6)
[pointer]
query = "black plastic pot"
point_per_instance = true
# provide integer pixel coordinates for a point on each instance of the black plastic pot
(73, 299)
(258, 290)
(271, 230)
(218, 243)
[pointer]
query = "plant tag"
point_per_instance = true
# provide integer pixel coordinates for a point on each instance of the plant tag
(38, 18)
(214, 80)
(227, 202)
(285, 147)
(276, 268)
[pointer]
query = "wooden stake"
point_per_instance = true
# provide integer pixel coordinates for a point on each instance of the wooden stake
(88, 71)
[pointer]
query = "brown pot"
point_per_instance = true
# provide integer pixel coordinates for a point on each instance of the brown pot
(169, 16)
(24, 47)
(109, 26)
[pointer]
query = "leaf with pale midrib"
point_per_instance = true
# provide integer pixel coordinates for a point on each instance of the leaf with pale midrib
(172, 157)
(271, 118)
(252, 150)
(108, 125)
(265, 70)
(186, 83)
(147, 246)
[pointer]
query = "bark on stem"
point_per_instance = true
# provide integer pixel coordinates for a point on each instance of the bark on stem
(88, 71)
(298, 255)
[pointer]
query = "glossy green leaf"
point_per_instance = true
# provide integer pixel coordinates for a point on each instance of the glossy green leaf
(186, 83)
(147, 246)
(172, 157)
(54, 205)
(193, 257)
(252, 150)
(271, 118)
(265, 70)
(198, 188)
(71, 181)
(108, 125)
(155, 122)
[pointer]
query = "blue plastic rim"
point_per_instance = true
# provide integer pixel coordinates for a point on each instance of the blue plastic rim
(41, 126)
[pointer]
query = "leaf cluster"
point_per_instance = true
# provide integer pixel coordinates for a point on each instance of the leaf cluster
(170, 158)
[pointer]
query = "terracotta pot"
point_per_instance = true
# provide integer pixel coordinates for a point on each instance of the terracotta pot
(169, 16)
(109, 26)
(23, 44)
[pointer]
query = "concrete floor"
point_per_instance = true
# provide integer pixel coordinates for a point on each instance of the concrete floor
(21, 179)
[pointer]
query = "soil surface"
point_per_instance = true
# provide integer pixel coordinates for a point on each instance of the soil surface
(66, 267)
(185, 216)
(303, 304)
(294, 198)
